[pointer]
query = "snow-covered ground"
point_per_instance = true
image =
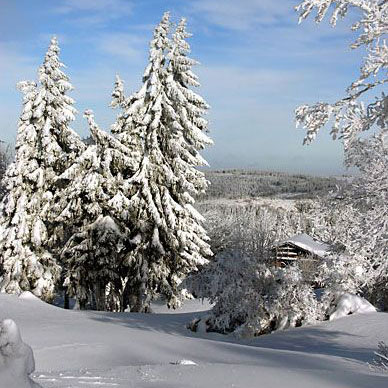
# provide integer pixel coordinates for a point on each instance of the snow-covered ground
(81, 349)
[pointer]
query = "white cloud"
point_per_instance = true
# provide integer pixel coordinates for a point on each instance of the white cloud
(116, 6)
(239, 86)
(95, 12)
(243, 14)
(15, 65)
(127, 46)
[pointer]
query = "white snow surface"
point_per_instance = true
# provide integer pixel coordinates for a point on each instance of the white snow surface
(351, 304)
(89, 348)
(27, 295)
(307, 243)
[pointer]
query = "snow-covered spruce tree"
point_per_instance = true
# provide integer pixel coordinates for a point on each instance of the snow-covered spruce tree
(95, 204)
(189, 125)
(60, 144)
(171, 240)
(45, 146)
(128, 127)
(92, 258)
(118, 96)
(25, 263)
(5, 160)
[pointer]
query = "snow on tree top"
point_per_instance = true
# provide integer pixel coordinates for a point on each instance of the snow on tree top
(306, 242)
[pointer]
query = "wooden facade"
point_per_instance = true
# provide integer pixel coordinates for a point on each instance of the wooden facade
(287, 253)
(300, 247)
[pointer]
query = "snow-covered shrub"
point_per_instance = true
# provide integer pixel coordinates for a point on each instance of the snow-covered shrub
(252, 298)
(381, 357)
(16, 358)
(337, 275)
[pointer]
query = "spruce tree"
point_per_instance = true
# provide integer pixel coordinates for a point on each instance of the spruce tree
(60, 144)
(171, 240)
(25, 264)
(45, 146)
(118, 96)
(94, 202)
(5, 160)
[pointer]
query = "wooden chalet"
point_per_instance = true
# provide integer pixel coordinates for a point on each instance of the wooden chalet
(299, 247)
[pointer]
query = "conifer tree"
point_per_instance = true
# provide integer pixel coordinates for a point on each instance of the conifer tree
(171, 240)
(118, 96)
(45, 146)
(94, 202)
(60, 144)
(25, 264)
(5, 160)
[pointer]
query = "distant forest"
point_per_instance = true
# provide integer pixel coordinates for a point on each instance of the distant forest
(234, 184)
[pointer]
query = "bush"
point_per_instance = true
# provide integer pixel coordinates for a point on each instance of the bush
(252, 298)
(381, 357)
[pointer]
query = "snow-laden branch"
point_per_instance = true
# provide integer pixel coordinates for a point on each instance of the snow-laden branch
(349, 116)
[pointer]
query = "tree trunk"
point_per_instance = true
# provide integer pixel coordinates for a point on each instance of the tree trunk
(66, 302)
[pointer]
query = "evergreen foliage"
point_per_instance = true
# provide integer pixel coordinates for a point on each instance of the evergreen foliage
(164, 120)
(45, 146)
(129, 196)
(93, 202)
(5, 160)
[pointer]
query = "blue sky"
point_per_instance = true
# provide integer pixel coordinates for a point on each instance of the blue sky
(257, 65)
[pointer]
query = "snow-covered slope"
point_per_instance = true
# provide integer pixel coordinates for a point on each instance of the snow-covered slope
(79, 349)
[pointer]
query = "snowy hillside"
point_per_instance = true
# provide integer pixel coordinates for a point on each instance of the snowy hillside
(80, 349)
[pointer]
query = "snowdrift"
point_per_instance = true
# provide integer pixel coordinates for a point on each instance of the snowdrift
(79, 349)
(16, 358)
(351, 304)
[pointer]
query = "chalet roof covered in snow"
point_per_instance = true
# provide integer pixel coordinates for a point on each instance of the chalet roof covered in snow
(307, 243)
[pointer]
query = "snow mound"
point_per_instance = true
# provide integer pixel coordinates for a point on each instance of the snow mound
(184, 362)
(351, 304)
(27, 295)
(16, 358)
